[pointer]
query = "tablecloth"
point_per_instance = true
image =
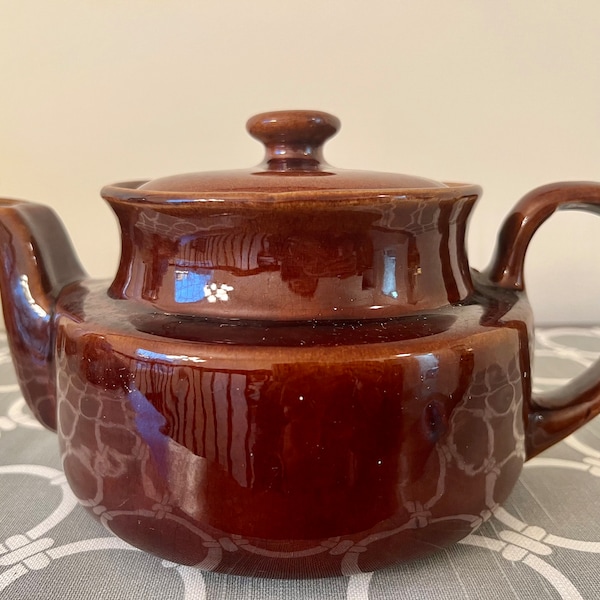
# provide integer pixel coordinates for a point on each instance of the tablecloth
(544, 543)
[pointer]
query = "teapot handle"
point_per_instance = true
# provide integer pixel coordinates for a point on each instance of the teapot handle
(550, 416)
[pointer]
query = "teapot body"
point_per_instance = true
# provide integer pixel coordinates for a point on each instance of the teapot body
(292, 449)
(295, 372)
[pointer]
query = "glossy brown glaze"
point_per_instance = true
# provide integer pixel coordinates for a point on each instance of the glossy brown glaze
(556, 414)
(294, 163)
(304, 458)
(286, 379)
(334, 258)
(37, 262)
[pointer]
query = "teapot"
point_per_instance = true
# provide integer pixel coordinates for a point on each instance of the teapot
(294, 372)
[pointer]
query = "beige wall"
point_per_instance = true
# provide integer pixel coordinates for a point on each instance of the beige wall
(501, 93)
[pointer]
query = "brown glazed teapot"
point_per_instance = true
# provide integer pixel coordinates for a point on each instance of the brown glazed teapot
(295, 372)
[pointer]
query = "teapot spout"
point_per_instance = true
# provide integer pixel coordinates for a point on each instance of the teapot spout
(37, 261)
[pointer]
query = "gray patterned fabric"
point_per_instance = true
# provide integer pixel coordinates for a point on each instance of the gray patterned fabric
(544, 543)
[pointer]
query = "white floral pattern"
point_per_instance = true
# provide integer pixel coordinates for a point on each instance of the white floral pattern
(543, 543)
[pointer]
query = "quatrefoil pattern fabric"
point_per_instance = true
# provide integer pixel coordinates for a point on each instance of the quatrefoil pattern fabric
(543, 543)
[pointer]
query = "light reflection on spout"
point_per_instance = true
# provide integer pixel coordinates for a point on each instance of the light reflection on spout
(37, 309)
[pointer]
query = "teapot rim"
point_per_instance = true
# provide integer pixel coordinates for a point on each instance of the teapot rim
(129, 192)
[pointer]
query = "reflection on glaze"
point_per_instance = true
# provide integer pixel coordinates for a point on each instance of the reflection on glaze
(217, 293)
(389, 286)
(25, 292)
(429, 364)
(149, 423)
(190, 286)
(168, 358)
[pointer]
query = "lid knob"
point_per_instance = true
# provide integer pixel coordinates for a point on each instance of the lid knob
(293, 139)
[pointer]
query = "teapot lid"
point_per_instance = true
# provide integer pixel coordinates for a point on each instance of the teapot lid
(293, 162)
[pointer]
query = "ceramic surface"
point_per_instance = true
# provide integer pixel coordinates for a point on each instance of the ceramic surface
(294, 363)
